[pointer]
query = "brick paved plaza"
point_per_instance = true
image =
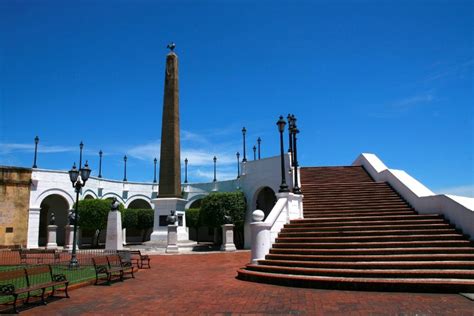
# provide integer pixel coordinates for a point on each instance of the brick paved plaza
(205, 284)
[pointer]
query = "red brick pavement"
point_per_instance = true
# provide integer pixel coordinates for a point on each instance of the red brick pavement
(206, 284)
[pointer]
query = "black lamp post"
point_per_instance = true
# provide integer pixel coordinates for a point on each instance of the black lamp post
(259, 140)
(254, 152)
(125, 168)
(243, 134)
(215, 160)
(81, 146)
(290, 141)
(186, 170)
(78, 179)
(238, 164)
(281, 128)
(154, 170)
(100, 163)
(36, 151)
(294, 132)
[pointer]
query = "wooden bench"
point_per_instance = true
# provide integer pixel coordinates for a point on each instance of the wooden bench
(31, 279)
(38, 256)
(139, 260)
(102, 266)
(121, 261)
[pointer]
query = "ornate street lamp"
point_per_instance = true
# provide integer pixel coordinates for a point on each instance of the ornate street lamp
(36, 151)
(154, 170)
(125, 168)
(215, 160)
(259, 140)
(100, 163)
(290, 141)
(186, 170)
(238, 164)
(244, 131)
(254, 152)
(294, 132)
(78, 179)
(281, 128)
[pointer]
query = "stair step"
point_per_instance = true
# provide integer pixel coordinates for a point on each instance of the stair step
(373, 251)
(393, 238)
(372, 264)
(333, 214)
(368, 218)
(351, 283)
(357, 228)
(336, 223)
(378, 244)
(371, 273)
(429, 257)
(438, 232)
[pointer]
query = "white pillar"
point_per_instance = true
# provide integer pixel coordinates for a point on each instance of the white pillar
(33, 227)
(52, 244)
(228, 238)
(260, 233)
(172, 242)
(113, 239)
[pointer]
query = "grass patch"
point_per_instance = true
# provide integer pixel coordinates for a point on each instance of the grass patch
(74, 276)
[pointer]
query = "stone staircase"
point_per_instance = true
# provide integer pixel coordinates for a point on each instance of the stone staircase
(359, 234)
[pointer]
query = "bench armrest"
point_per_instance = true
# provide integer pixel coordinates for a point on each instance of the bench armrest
(7, 289)
(59, 277)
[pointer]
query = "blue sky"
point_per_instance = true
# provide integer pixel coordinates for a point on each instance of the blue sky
(390, 78)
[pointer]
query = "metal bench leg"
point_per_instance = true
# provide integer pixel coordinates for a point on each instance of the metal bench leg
(42, 296)
(15, 309)
(65, 290)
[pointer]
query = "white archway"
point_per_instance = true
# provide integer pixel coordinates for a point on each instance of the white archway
(138, 197)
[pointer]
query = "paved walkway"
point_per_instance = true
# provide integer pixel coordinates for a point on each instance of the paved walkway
(206, 284)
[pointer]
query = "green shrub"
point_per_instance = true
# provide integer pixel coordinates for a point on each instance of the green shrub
(217, 205)
(145, 218)
(192, 217)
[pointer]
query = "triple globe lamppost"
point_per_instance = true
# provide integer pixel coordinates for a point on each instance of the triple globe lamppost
(78, 179)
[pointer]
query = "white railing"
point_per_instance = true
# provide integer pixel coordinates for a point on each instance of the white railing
(458, 210)
(288, 206)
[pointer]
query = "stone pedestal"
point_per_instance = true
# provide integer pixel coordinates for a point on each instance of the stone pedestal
(172, 240)
(228, 238)
(69, 230)
(52, 244)
(113, 239)
(163, 206)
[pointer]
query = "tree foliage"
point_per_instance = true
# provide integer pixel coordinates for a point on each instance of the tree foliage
(192, 217)
(217, 205)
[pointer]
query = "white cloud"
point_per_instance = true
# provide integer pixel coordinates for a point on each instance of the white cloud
(463, 190)
(146, 151)
(414, 100)
(8, 148)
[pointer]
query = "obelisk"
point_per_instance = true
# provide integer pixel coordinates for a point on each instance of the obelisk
(169, 192)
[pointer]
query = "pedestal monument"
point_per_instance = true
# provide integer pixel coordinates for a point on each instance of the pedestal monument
(169, 191)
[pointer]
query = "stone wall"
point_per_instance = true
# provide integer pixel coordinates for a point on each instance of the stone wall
(14, 205)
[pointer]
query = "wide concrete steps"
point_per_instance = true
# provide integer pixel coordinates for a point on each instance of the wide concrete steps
(360, 234)
(360, 283)
(446, 264)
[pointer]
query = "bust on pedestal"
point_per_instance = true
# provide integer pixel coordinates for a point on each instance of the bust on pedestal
(172, 245)
(52, 229)
(114, 228)
(69, 230)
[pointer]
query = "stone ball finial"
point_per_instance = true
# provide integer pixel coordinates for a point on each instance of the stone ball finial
(258, 216)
